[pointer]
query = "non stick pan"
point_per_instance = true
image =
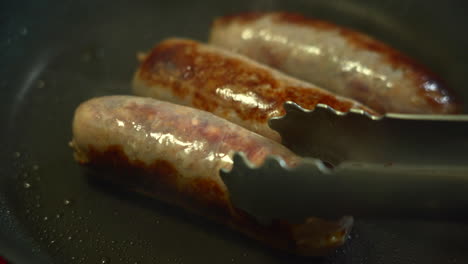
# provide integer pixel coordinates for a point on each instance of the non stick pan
(55, 54)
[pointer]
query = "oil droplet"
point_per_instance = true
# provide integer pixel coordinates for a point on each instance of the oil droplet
(40, 84)
(58, 216)
(26, 185)
(73, 258)
(69, 237)
(105, 260)
(131, 243)
(24, 31)
(38, 205)
(17, 154)
(45, 218)
(67, 202)
(87, 56)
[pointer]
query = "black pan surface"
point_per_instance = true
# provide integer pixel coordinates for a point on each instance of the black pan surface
(56, 54)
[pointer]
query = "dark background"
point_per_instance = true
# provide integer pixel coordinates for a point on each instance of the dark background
(56, 54)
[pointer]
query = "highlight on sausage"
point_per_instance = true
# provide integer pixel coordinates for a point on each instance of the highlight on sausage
(174, 153)
(227, 84)
(335, 58)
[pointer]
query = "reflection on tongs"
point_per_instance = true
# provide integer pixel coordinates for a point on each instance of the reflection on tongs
(396, 165)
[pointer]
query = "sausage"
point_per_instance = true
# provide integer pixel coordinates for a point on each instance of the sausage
(226, 84)
(174, 153)
(338, 59)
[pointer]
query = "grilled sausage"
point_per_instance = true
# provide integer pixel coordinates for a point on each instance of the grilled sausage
(343, 61)
(174, 153)
(226, 84)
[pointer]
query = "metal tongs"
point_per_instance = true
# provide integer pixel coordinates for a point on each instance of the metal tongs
(394, 165)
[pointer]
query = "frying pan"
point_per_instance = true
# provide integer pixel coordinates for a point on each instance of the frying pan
(56, 54)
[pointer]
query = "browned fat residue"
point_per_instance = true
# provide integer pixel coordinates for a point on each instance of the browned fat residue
(278, 233)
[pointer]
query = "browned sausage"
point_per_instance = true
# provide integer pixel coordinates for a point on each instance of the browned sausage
(226, 84)
(341, 60)
(174, 153)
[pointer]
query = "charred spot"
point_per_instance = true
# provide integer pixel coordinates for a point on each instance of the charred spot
(118, 168)
(158, 178)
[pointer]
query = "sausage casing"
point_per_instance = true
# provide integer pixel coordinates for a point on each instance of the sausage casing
(174, 153)
(341, 60)
(226, 84)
